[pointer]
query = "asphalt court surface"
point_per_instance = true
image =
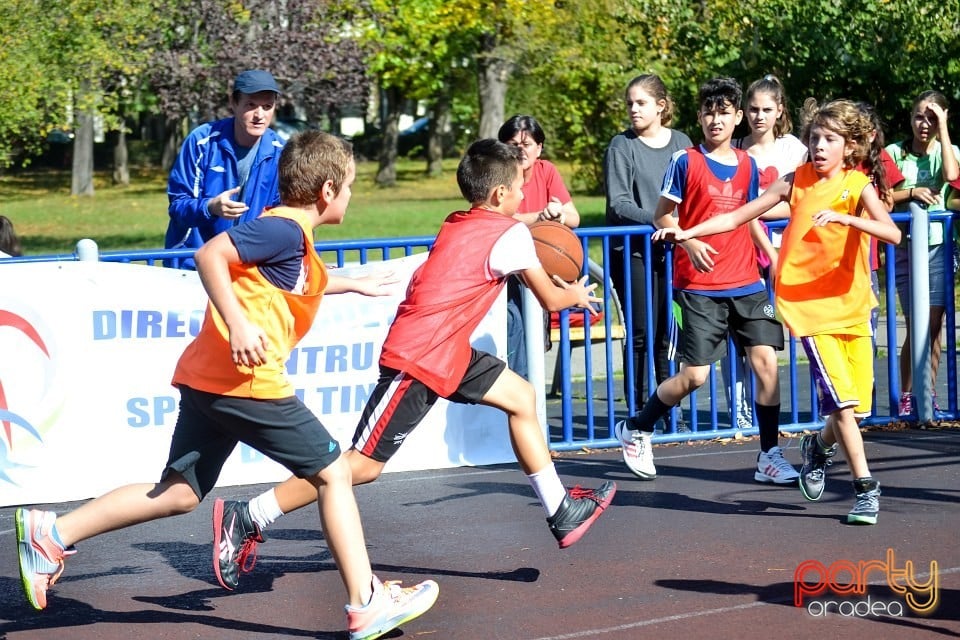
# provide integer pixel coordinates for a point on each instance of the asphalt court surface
(701, 552)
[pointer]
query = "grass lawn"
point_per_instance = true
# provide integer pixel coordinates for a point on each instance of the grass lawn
(49, 220)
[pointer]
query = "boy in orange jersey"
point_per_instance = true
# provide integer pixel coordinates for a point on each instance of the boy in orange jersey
(427, 355)
(823, 289)
(265, 281)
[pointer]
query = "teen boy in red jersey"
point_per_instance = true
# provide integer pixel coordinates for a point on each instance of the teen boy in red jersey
(730, 298)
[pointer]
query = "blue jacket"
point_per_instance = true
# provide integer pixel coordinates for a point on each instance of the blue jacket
(206, 167)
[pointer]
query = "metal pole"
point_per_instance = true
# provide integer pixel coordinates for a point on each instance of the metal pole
(533, 338)
(920, 312)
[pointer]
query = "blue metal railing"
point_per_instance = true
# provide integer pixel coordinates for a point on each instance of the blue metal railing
(591, 393)
(581, 427)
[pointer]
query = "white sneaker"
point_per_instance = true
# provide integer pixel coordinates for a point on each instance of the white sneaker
(773, 467)
(637, 451)
(745, 417)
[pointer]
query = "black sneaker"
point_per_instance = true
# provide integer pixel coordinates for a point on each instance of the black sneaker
(235, 539)
(579, 509)
(867, 507)
(815, 463)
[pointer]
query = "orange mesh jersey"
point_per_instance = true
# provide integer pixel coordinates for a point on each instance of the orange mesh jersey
(823, 280)
(207, 363)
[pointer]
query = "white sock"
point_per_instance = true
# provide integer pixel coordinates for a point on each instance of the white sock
(546, 484)
(264, 509)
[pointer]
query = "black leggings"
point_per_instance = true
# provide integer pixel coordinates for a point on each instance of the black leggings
(657, 292)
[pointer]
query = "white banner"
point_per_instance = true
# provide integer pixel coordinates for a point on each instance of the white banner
(87, 351)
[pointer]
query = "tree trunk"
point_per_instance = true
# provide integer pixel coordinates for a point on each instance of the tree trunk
(493, 73)
(387, 170)
(439, 124)
(171, 143)
(82, 181)
(121, 160)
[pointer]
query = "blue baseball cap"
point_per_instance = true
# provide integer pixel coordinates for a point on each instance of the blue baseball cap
(255, 80)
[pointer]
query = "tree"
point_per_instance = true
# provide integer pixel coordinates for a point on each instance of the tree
(422, 49)
(37, 96)
(305, 44)
(875, 50)
(98, 43)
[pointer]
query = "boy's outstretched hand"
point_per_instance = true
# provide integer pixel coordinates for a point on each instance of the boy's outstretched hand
(670, 234)
(585, 298)
(376, 284)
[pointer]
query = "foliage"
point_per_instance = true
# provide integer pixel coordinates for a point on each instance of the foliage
(566, 61)
(881, 51)
(304, 43)
(52, 50)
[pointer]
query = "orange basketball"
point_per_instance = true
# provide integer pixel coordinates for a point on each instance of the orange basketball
(558, 248)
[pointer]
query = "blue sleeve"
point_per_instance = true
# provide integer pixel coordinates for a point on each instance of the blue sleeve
(188, 207)
(275, 245)
(675, 177)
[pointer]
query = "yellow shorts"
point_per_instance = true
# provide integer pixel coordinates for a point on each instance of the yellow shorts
(842, 368)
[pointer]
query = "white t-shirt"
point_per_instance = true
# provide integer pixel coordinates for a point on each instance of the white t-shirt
(788, 154)
(513, 252)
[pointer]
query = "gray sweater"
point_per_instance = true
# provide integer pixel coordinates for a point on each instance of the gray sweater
(633, 173)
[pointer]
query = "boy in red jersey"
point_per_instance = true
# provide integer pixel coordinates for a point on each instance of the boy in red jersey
(427, 355)
(265, 282)
(701, 182)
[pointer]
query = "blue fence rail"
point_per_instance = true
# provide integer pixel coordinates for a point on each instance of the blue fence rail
(591, 399)
(591, 387)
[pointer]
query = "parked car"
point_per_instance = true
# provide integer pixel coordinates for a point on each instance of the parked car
(288, 127)
(411, 141)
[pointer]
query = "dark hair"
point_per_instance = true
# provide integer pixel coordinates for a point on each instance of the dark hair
(843, 117)
(771, 86)
(487, 164)
(521, 124)
(652, 84)
(719, 93)
(927, 96)
(872, 163)
(309, 159)
(9, 242)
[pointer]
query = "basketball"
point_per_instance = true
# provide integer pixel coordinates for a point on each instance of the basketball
(558, 248)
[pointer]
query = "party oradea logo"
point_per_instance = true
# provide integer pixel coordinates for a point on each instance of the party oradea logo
(885, 587)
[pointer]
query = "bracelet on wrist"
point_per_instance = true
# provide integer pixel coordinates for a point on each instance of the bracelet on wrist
(911, 193)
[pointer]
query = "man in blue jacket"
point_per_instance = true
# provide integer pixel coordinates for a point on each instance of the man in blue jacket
(226, 172)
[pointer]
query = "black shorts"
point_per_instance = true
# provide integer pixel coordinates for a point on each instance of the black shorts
(209, 426)
(399, 402)
(706, 321)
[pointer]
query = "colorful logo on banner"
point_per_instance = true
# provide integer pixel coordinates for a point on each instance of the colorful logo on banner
(27, 407)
